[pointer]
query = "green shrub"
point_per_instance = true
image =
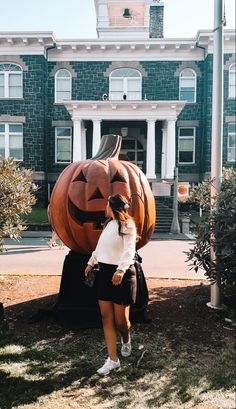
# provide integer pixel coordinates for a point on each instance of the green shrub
(220, 224)
(16, 198)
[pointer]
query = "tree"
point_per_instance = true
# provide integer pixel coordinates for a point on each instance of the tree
(218, 226)
(16, 198)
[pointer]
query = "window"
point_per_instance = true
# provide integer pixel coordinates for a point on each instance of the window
(62, 86)
(125, 83)
(231, 143)
(186, 146)
(11, 141)
(132, 150)
(11, 84)
(63, 145)
(232, 81)
(187, 85)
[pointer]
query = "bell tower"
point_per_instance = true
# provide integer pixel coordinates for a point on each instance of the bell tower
(129, 19)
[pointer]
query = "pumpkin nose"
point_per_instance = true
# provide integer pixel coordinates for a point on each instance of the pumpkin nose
(96, 195)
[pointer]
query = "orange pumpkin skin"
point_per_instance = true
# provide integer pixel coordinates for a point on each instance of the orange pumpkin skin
(182, 190)
(80, 195)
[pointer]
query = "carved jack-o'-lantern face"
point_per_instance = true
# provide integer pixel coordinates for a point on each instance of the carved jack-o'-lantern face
(79, 199)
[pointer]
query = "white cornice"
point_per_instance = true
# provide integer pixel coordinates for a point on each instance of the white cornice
(168, 49)
(125, 110)
(25, 42)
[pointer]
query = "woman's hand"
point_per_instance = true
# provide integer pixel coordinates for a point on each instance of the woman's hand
(87, 270)
(117, 277)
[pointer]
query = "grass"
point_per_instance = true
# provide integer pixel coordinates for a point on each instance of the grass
(49, 367)
(195, 217)
(38, 215)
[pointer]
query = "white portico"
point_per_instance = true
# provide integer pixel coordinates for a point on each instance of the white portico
(149, 111)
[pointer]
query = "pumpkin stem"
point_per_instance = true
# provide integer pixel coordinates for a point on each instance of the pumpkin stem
(109, 147)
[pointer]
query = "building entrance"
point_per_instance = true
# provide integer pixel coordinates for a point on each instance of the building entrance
(133, 147)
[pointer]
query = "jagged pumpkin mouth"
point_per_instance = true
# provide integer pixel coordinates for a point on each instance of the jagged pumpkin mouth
(81, 216)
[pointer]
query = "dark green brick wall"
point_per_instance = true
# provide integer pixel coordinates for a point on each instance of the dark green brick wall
(90, 84)
(229, 110)
(32, 106)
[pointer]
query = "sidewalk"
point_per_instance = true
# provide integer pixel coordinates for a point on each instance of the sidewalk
(163, 257)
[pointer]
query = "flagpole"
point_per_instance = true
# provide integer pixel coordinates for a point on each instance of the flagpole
(217, 131)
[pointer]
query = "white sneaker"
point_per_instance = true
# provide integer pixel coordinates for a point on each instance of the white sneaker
(126, 348)
(108, 366)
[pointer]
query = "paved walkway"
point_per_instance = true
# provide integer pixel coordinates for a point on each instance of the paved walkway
(163, 257)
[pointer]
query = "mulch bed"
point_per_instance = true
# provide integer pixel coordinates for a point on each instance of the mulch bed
(172, 303)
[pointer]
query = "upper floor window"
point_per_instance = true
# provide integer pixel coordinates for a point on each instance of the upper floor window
(11, 83)
(11, 141)
(62, 86)
(231, 142)
(232, 81)
(186, 146)
(63, 145)
(187, 85)
(125, 83)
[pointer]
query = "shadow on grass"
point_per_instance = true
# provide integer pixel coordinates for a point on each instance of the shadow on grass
(186, 346)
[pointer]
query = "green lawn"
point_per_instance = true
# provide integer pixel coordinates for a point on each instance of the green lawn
(37, 215)
(195, 217)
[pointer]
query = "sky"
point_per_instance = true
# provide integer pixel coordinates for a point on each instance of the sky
(76, 18)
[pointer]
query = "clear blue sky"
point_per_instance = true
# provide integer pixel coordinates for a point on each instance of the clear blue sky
(76, 18)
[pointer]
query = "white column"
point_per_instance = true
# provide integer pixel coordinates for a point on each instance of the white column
(163, 153)
(77, 151)
(151, 153)
(96, 135)
(170, 149)
(83, 143)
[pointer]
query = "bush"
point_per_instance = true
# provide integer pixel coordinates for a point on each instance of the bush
(16, 198)
(220, 224)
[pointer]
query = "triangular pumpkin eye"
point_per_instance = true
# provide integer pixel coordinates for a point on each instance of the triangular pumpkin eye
(118, 178)
(80, 178)
(96, 195)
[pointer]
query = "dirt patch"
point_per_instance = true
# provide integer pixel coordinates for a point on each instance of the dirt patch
(172, 303)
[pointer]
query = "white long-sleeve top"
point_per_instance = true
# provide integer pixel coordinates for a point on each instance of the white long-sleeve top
(115, 249)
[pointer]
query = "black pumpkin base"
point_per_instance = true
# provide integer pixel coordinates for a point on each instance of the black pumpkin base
(77, 306)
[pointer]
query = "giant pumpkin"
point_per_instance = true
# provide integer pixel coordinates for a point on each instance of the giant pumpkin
(79, 197)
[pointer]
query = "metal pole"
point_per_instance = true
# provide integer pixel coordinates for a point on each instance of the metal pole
(175, 221)
(217, 128)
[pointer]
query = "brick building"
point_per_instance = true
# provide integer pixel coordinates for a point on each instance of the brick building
(58, 97)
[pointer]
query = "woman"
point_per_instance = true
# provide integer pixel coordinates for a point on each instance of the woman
(53, 241)
(116, 278)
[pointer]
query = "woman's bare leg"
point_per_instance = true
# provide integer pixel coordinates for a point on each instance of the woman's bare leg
(52, 241)
(122, 321)
(107, 312)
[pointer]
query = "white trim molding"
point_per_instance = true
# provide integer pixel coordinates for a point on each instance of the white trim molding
(124, 110)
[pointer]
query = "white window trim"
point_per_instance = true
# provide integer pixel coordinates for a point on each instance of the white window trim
(6, 81)
(55, 86)
(62, 137)
(229, 133)
(125, 84)
(194, 144)
(195, 85)
(7, 140)
(232, 68)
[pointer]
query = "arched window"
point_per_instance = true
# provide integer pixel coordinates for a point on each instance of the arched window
(125, 83)
(187, 85)
(62, 86)
(11, 83)
(232, 81)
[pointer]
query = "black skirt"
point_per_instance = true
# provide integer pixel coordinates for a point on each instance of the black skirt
(124, 293)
